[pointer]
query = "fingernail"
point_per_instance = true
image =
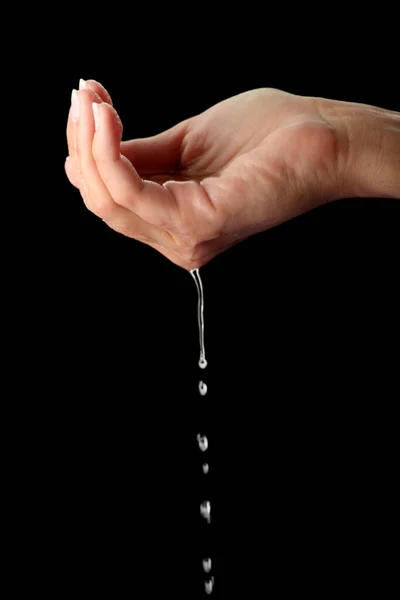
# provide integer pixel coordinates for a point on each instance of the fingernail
(96, 115)
(74, 105)
(82, 84)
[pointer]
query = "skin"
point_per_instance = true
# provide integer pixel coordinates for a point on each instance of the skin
(243, 166)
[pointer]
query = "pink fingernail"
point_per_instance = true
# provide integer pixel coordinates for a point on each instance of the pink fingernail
(82, 84)
(96, 115)
(74, 105)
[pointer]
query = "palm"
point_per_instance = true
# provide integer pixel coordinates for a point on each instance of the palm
(252, 154)
(242, 166)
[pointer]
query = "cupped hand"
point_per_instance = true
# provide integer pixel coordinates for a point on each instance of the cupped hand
(245, 165)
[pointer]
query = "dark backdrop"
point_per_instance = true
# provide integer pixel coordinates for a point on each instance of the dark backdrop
(301, 334)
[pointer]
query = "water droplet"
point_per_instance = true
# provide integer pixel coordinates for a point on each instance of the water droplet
(205, 509)
(202, 362)
(209, 585)
(203, 442)
(207, 565)
(202, 388)
(206, 468)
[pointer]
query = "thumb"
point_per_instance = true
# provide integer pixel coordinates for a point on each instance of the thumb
(158, 154)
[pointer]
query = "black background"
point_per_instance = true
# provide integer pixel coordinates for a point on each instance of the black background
(301, 334)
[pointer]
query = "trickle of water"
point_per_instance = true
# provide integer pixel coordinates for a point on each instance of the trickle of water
(207, 565)
(203, 442)
(195, 273)
(202, 388)
(209, 585)
(205, 509)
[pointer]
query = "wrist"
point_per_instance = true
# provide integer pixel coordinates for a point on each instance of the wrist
(368, 145)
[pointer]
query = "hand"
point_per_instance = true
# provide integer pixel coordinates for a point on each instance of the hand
(241, 167)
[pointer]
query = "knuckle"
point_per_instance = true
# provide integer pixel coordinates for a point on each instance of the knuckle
(101, 207)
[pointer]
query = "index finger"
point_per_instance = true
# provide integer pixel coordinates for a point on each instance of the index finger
(100, 93)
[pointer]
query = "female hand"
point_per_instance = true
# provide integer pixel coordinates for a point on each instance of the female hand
(246, 164)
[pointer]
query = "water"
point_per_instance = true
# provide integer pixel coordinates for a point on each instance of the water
(200, 315)
(203, 442)
(202, 362)
(207, 565)
(202, 388)
(205, 507)
(209, 585)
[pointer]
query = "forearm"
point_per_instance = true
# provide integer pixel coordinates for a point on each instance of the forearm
(369, 149)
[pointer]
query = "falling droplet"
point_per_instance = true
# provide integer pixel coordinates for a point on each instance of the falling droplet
(207, 565)
(202, 362)
(206, 468)
(209, 585)
(203, 442)
(205, 509)
(202, 388)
